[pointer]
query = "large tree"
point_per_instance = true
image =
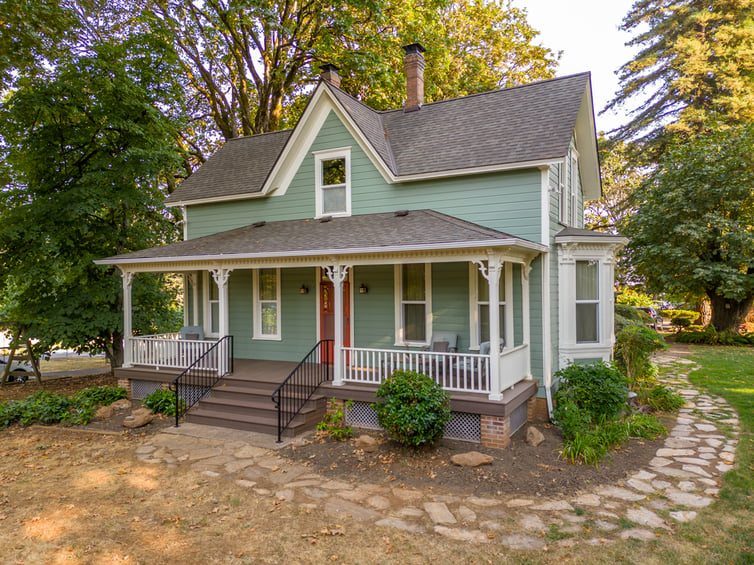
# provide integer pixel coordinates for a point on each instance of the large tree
(694, 231)
(85, 150)
(695, 68)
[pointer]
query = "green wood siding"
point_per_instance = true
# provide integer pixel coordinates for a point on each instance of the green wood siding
(508, 201)
(450, 301)
(374, 312)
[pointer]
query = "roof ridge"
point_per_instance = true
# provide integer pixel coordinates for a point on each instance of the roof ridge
(489, 92)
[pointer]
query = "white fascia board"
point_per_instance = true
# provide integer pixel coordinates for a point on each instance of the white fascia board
(586, 136)
(608, 240)
(479, 170)
(509, 242)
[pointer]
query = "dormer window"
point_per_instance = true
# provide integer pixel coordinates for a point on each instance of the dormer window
(333, 179)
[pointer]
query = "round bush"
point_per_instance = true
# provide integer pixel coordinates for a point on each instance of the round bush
(597, 390)
(412, 408)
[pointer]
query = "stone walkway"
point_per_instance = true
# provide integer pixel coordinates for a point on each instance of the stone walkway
(682, 478)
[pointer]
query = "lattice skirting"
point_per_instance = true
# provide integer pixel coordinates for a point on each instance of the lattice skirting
(462, 426)
(141, 389)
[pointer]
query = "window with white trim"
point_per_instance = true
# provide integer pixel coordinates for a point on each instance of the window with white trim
(413, 284)
(483, 307)
(574, 191)
(211, 306)
(267, 304)
(587, 301)
(333, 182)
(562, 194)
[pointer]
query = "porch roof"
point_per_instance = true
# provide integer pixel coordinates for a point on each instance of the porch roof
(415, 230)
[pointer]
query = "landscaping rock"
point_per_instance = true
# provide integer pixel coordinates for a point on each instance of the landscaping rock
(366, 443)
(533, 436)
(104, 412)
(122, 404)
(138, 418)
(471, 459)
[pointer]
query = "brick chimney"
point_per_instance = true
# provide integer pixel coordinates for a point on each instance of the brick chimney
(414, 62)
(330, 74)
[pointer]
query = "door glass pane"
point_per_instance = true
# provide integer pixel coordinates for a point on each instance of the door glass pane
(413, 282)
(334, 200)
(414, 322)
(215, 317)
(267, 284)
(333, 172)
(586, 323)
(269, 318)
(587, 279)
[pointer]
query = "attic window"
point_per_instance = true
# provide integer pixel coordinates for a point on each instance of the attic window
(333, 182)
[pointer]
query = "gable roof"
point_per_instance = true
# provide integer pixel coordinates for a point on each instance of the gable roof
(522, 126)
(367, 233)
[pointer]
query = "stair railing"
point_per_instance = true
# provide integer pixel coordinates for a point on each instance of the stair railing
(296, 390)
(199, 378)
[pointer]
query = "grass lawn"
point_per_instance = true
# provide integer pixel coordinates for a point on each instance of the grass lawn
(72, 363)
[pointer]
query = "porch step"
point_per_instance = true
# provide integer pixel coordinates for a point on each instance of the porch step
(264, 421)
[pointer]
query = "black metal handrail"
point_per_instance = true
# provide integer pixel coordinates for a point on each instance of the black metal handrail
(298, 387)
(199, 378)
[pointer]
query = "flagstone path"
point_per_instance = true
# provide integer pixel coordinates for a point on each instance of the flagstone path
(683, 477)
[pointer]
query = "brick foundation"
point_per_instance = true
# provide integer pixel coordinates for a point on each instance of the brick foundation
(496, 431)
(335, 404)
(125, 383)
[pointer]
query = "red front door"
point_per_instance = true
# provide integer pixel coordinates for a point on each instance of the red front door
(327, 311)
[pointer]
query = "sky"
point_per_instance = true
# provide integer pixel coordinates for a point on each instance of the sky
(588, 34)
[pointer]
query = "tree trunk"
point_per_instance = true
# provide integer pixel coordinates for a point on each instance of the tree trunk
(34, 361)
(728, 314)
(114, 353)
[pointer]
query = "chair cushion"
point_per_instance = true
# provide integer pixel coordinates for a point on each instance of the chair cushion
(440, 347)
(191, 336)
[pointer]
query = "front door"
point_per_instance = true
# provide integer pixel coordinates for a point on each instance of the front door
(327, 311)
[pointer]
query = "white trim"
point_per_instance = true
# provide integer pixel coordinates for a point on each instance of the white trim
(596, 301)
(545, 180)
(331, 155)
(508, 242)
(398, 294)
(508, 325)
(257, 308)
(473, 307)
(207, 306)
(475, 320)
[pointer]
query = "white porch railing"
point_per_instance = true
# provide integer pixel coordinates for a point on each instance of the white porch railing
(514, 366)
(457, 372)
(170, 351)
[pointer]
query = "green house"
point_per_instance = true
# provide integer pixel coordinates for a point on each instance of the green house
(445, 238)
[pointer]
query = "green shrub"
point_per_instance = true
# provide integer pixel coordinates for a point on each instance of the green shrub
(626, 316)
(334, 422)
(644, 426)
(661, 398)
(597, 389)
(710, 336)
(100, 395)
(163, 401)
(689, 315)
(412, 408)
(633, 350)
(680, 323)
(633, 297)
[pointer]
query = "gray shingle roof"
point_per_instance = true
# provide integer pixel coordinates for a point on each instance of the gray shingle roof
(532, 122)
(239, 167)
(294, 237)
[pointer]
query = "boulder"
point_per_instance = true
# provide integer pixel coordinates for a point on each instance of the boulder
(122, 404)
(104, 412)
(534, 436)
(471, 459)
(366, 443)
(138, 418)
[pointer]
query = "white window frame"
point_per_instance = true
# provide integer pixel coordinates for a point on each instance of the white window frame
(399, 302)
(597, 301)
(506, 319)
(562, 195)
(574, 191)
(330, 155)
(257, 330)
(207, 280)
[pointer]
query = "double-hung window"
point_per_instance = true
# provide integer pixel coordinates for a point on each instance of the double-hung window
(333, 180)
(483, 307)
(587, 301)
(267, 306)
(414, 307)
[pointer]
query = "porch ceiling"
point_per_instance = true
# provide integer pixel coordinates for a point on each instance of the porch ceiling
(414, 233)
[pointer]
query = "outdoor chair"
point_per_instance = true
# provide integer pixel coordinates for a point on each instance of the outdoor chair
(192, 333)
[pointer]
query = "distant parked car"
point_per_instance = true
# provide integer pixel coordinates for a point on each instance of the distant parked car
(654, 314)
(20, 371)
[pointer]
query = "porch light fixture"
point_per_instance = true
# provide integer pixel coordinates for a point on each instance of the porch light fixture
(304, 289)
(363, 289)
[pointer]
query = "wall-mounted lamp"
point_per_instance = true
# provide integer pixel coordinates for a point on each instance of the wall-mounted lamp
(304, 289)
(363, 289)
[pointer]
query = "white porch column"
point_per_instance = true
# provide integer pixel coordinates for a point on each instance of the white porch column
(492, 273)
(127, 277)
(221, 277)
(525, 308)
(193, 281)
(337, 275)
